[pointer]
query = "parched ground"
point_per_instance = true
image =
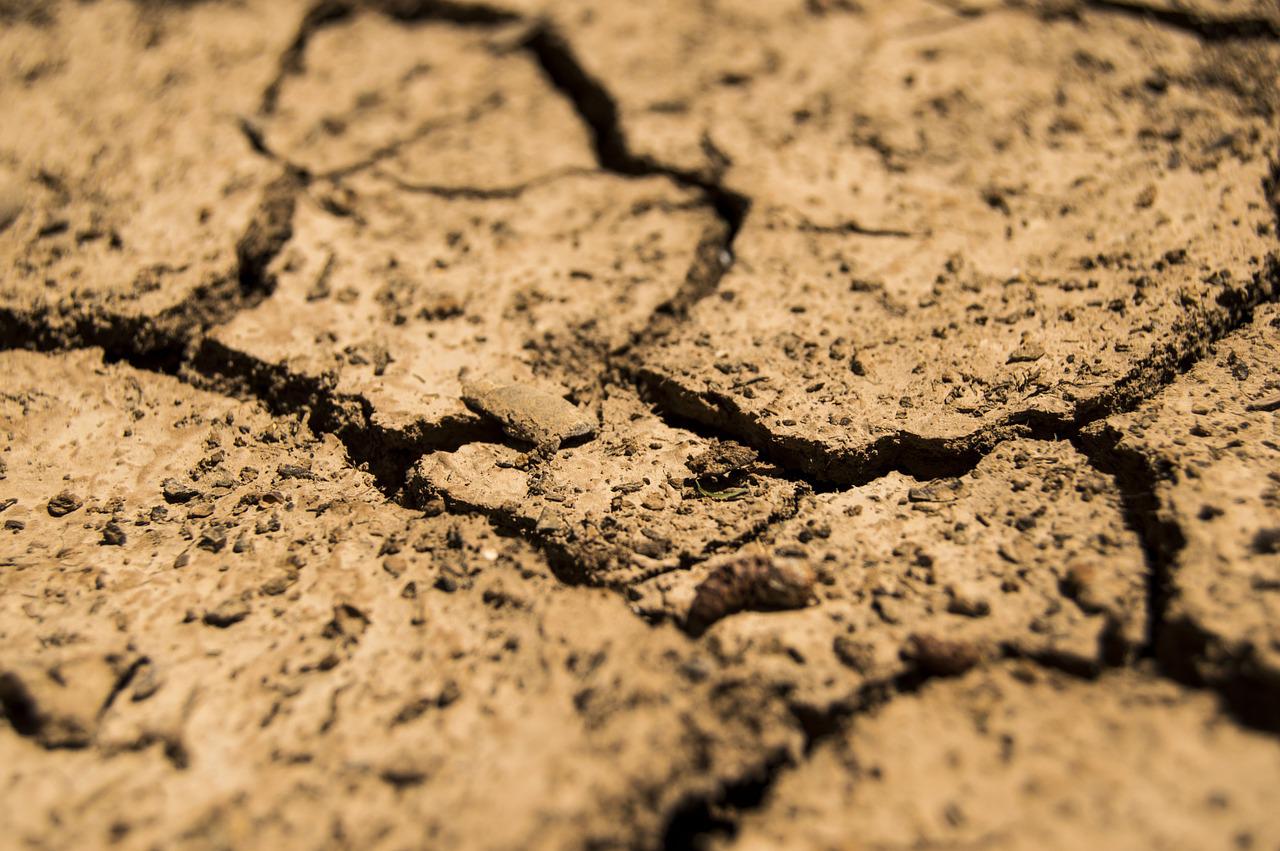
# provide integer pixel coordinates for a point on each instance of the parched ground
(563, 424)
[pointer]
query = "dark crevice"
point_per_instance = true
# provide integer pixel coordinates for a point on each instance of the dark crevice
(1204, 26)
(152, 345)
(122, 682)
(324, 13)
(1136, 476)
(444, 10)
(853, 228)
(599, 112)
(810, 460)
(700, 819)
(486, 193)
(1249, 692)
(269, 230)
(18, 706)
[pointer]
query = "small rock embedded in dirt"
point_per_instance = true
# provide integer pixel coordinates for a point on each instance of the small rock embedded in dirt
(1026, 353)
(229, 612)
(176, 492)
(941, 656)
(754, 582)
(295, 471)
(63, 504)
(527, 413)
(722, 461)
(939, 491)
(1267, 541)
(113, 535)
(213, 539)
(280, 580)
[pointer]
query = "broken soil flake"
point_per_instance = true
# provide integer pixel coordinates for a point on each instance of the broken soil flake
(358, 665)
(975, 257)
(1017, 757)
(1207, 449)
(529, 413)
(120, 131)
(419, 290)
(621, 508)
(1026, 555)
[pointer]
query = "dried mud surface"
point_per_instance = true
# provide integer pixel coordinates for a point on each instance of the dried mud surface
(568, 424)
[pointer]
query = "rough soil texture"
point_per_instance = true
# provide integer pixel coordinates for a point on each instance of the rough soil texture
(567, 424)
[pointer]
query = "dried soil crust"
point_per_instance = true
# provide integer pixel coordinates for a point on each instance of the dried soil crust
(622, 508)
(1207, 449)
(408, 294)
(1015, 757)
(971, 257)
(254, 641)
(131, 182)
(900, 370)
(1027, 555)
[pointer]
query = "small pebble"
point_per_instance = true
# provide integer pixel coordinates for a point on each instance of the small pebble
(63, 504)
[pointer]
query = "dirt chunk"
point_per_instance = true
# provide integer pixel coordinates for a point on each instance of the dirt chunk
(63, 504)
(529, 413)
(436, 106)
(750, 582)
(723, 462)
(178, 492)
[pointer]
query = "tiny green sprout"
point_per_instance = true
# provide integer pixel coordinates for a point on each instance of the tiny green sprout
(724, 495)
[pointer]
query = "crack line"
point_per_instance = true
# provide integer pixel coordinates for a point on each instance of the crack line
(1203, 26)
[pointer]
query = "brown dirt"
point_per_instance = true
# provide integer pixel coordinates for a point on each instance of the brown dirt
(567, 424)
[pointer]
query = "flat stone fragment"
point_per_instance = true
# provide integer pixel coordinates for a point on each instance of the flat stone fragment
(130, 181)
(968, 258)
(1207, 449)
(352, 664)
(1017, 757)
(397, 301)
(622, 508)
(528, 413)
(1028, 555)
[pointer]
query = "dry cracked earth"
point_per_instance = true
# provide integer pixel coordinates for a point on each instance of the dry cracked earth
(720, 424)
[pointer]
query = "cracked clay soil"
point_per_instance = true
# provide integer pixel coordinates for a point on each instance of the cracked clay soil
(586, 424)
